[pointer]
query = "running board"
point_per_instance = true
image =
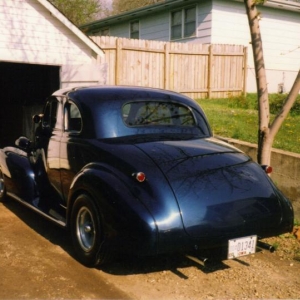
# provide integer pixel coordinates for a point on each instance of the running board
(59, 222)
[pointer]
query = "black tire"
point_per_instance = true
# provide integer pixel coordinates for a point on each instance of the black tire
(3, 197)
(86, 231)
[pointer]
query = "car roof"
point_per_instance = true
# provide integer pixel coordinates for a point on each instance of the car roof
(101, 106)
(113, 92)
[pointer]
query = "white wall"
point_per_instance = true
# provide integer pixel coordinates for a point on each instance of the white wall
(280, 31)
(204, 22)
(30, 34)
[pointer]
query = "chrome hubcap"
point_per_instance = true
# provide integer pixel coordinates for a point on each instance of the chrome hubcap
(85, 229)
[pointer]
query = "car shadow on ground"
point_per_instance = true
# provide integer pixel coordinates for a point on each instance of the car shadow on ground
(47, 229)
(171, 262)
(208, 261)
(122, 265)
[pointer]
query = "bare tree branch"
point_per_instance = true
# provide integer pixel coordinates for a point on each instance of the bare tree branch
(266, 132)
(290, 100)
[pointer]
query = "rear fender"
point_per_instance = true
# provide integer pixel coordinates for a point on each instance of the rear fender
(125, 220)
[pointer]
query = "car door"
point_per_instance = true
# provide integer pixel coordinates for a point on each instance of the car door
(47, 166)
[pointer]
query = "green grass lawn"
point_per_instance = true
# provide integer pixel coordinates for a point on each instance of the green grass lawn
(238, 118)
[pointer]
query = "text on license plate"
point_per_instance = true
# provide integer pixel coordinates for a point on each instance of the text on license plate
(241, 246)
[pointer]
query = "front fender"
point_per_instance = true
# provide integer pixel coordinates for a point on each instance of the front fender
(127, 223)
(18, 174)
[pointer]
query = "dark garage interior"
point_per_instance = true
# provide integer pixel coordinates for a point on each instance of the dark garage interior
(24, 89)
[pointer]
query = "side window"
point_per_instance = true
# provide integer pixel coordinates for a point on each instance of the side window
(51, 118)
(72, 118)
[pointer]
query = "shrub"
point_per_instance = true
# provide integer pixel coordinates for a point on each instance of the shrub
(275, 101)
(244, 102)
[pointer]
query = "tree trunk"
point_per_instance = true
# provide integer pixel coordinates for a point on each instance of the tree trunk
(266, 132)
(264, 145)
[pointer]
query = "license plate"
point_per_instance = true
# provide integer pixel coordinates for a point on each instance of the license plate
(241, 246)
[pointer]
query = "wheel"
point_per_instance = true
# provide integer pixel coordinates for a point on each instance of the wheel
(2, 187)
(86, 231)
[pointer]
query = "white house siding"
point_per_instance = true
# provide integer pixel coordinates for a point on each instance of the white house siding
(204, 21)
(30, 34)
(153, 27)
(119, 30)
(281, 38)
(156, 27)
(280, 30)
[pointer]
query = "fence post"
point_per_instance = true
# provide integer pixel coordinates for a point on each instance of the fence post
(210, 71)
(170, 72)
(245, 70)
(118, 65)
(167, 66)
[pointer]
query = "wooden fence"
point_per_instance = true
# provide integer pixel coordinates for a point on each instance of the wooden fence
(196, 70)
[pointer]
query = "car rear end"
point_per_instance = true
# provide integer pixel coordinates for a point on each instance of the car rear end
(221, 194)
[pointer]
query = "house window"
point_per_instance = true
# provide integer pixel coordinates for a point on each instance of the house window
(183, 23)
(176, 25)
(135, 30)
(190, 22)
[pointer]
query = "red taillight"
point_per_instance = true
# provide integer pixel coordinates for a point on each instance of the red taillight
(267, 169)
(140, 176)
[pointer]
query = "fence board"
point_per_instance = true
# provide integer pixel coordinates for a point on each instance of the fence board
(197, 70)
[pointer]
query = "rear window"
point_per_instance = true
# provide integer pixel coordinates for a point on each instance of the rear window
(157, 114)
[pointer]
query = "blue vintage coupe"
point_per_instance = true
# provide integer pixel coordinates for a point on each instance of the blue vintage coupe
(137, 170)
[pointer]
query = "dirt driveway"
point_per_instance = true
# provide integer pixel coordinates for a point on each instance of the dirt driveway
(36, 263)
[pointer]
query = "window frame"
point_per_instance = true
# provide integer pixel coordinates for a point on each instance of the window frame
(52, 114)
(184, 23)
(68, 116)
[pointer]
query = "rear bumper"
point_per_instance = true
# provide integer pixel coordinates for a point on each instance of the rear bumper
(181, 242)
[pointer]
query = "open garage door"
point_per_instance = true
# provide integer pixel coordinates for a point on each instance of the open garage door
(24, 88)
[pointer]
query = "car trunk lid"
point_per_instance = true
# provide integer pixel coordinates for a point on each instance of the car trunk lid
(218, 188)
